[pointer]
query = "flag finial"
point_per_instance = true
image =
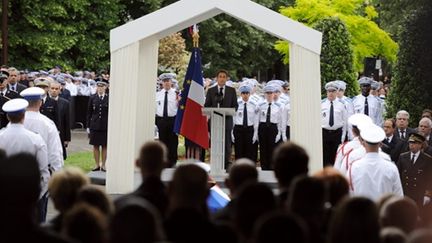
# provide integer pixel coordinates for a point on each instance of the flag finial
(195, 36)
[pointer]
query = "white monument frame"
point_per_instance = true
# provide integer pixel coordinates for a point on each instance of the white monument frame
(134, 65)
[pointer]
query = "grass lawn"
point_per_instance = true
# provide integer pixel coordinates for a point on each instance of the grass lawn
(83, 160)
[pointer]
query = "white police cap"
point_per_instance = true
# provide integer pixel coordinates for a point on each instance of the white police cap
(165, 76)
(32, 93)
(245, 89)
(375, 85)
(229, 83)
(372, 133)
(269, 89)
(365, 81)
(15, 106)
(331, 86)
(341, 84)
(359, 120)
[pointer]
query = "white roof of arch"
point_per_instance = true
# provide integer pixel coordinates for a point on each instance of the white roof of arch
(185, 13)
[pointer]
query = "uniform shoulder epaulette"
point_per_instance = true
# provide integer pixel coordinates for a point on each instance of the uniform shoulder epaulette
(252, 102)
(278, 103)
(262, 103)
(347, 99)
(239, 101)
(342, 101)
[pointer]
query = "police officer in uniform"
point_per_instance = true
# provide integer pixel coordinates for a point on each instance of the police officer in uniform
(15, 139)
(166, 110)
(97, 124)
(333, 123)
(269, 129)
(5, 96)
(368, 104)
(245, 132)
(415, 169)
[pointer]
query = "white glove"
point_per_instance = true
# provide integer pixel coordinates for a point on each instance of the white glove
(88, 130)
(232, 137)
(278, 136)
(255, 137)
(284, 138)
(426, 200)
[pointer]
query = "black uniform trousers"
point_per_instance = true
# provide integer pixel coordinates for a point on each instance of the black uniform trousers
(267, 136)
(287, 132)
(168, 137)
(243, 147)
(331, 141)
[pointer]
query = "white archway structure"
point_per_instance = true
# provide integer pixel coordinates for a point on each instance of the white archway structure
(134, 60)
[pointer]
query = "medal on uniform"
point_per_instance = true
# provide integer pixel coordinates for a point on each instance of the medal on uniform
(240, 113)
(324, 114)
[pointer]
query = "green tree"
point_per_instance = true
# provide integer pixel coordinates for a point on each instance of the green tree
(74, 33)
(337, 54)
(368, 40)
(411, 88)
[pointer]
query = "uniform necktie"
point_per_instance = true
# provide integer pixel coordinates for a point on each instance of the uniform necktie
(245, 118)
(13, 88)
(413, 159)
(331, 120)
(165, 108)
(366, 107)
(268, 115)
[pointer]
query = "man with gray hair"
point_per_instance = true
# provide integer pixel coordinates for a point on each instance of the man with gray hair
(424, 127)
(402, 130)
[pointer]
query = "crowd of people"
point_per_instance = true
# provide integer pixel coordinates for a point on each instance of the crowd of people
(376, 185)
(315, 208)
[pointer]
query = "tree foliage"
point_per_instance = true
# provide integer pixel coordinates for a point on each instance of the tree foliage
(368, 40)
(173, 56)
(411, 88)
(337, 54)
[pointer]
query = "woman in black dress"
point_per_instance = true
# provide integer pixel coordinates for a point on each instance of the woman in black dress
(97, 123)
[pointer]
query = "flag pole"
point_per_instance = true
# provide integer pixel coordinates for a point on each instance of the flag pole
(195, 36)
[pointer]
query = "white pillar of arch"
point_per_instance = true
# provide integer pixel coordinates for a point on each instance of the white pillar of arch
(131, 114)
(305, 92)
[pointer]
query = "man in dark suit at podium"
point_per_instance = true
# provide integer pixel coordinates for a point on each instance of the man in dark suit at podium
(223, 96)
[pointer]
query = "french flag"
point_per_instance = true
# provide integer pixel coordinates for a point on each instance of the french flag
(190, 122)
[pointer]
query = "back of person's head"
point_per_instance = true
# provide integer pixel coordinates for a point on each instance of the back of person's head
(64, 186)
(336, 184)
(392, 235)
(420, 236)
(401, 213)
(96, 197)
(307, 196)
(289, 161)
(188, 188)
(135, 220)
(253, 201)
(280, 227)
(242, 171)
(19, 185)
(355, 221)
(153, 157)
(85, 224)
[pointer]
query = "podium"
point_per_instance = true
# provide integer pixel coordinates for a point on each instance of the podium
(217, 137)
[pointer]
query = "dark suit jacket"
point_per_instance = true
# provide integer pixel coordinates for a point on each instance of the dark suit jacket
(3, 99)
(416, 178)
(408, 132)
(64, 119)
(49, 108)
(229, 99)
(391, 148)
(19, 87)
(65, 94)
(97, 113)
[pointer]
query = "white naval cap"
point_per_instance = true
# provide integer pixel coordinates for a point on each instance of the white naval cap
(372, 133)
(360, 120)
(33, 93)
(331, 86)
(15, 106)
